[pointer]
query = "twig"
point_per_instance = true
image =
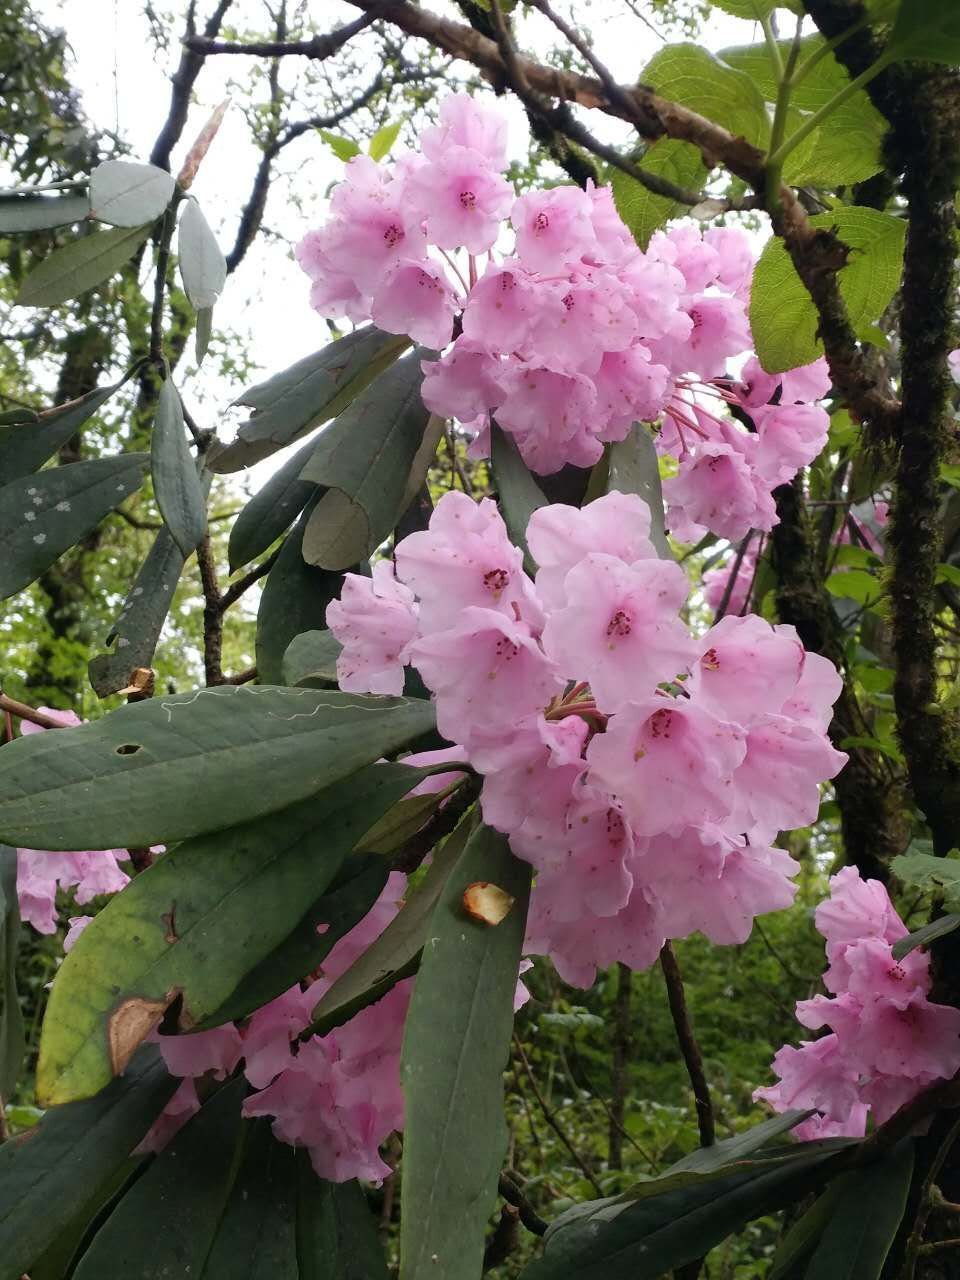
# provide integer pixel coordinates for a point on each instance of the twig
(440, 825)
(236, 589)
(618, 1066)
(503, 1239)
(552, 1121)
(242, 677)
(688, 1046)
(914, 1244)
(20, 709)
(160, 281)
(731, 582)
(317, 48)
(511, 1192)
(212, 614)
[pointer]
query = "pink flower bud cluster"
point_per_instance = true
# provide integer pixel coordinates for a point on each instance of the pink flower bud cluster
(576, 334)
(886, 1043)
(643, 771)
(39, 874)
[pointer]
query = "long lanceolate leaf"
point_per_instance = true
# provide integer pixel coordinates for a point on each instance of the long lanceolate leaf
(80, 265)
(51, 1174)
(42, 516)
(26, 446)
(195, 924)
(179, 766)
(12, 1041)
(311, 392)
(455, 1047)
(176, 484)
(364, 460)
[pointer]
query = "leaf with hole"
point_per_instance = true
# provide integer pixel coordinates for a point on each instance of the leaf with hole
(310, 392)
(42, 516)
(202, 264)
(80, 265)
(126, 194)
(364, 460)
(177, 766)
(455, 1136)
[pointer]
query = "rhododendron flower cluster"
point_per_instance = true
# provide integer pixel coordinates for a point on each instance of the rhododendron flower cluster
(643, 771)
(576, 334)
(39, 874)
(887, 1041)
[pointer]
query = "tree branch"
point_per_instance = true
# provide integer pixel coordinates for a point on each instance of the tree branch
(11, 706)
(236, 589)
(212, 614)
(688, 1045)
(317, 48)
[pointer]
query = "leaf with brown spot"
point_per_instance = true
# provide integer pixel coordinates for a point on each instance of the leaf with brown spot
(487, 902)
(130, 1024)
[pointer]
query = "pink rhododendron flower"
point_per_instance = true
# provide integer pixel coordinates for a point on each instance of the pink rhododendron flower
(461, 199)
(554, 228)
(418, 299)
(466, 121)
(40, 874)
(887, 1041)
(375, 620)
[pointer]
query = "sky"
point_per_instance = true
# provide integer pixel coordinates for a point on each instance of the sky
(126, 88)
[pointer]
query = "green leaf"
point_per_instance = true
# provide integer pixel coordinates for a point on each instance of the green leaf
(659, 1229)
(364, 459)
(41, 1190)
(452, 1068)
(395, 953)
(693, 77)
(128, 195)
(888, 749)
(256, 1234)
(195, 924)
(176, 484)
(926, 31)
(179, 766)
(40, 212)
(948, 573)
(801, 1238)
(926, 871)
(202, 264)
(203, 333)
(336, 1232)
(518, 493)
(923, 937)
(383, 140)
(312, 656)
(642, 210)
(184, 1192)
(27, 445)
(343, 148)
(756, 9)
(270, 513)
(633, 467)
(731, 1150)
(42, 516)
(12, 1037)
(782, 315)
(844, 150)
(307, 394)
(79, 266)
(137, 630)
(343, 904)
(867, 1211)
(294, 599)
(57, 1259)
